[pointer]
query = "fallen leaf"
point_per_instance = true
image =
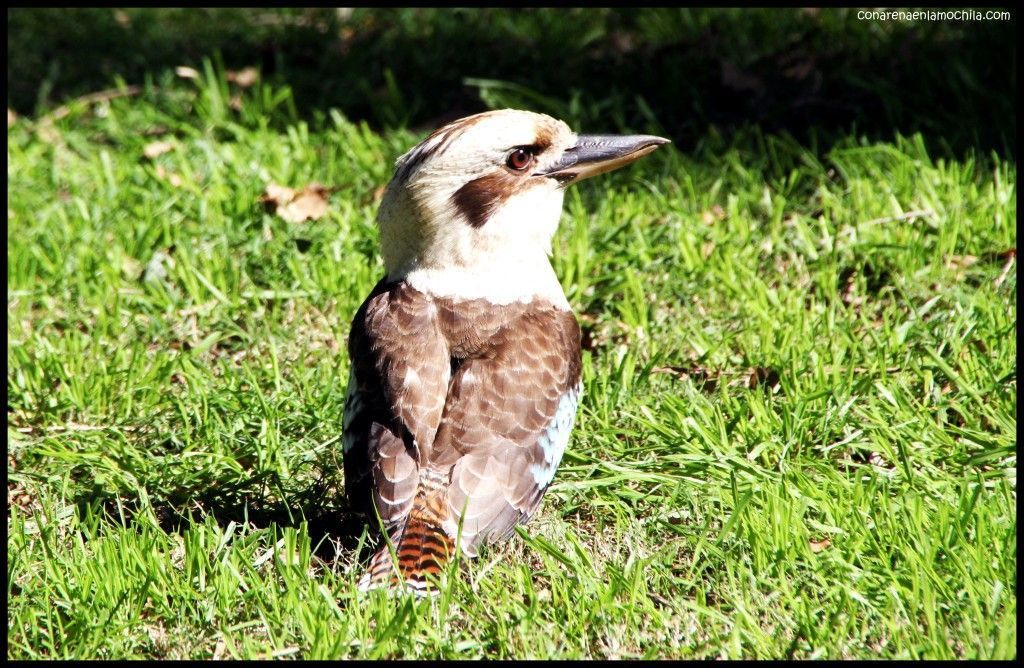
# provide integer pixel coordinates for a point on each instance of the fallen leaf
(156, 148)
(1011, 257)
(307, 206)
(819, 545)
(711, 215)
(186, 72)
(244, 77)
(170, 177)
(702, 378)
(48, 133)
(276, 195)
(958, 262)
(296, 206)
(706, 249)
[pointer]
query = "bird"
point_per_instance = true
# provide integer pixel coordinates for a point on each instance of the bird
(465, 358)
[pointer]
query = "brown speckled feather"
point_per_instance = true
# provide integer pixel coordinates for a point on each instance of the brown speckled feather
(480, 395)
(400, 371)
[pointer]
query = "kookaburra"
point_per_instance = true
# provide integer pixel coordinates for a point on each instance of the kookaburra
(465, 371)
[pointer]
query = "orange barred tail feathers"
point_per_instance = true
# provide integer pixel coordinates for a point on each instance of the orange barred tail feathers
(421, 548)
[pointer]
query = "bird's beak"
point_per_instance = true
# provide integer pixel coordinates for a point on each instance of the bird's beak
(597, 154)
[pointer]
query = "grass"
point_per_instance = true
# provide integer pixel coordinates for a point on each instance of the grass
(797, 437)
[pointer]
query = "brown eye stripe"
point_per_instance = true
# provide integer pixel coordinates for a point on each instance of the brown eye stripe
(478, 199)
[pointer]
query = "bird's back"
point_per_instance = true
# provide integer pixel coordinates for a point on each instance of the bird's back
(468, 421)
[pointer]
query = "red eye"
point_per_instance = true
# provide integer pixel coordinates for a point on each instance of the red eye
(519, 159)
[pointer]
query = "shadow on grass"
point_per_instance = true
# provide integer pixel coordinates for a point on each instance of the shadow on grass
(336, 531)
(816, 74)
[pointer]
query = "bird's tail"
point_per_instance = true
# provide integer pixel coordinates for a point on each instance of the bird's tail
(421, 547)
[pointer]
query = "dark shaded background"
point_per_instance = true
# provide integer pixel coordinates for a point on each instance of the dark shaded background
(817, 74)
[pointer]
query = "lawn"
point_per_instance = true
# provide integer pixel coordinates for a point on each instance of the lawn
(797, 436)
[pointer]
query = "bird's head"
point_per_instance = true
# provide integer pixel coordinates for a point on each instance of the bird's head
(488, 189)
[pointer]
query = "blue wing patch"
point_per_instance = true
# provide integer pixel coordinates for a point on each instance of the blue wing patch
(553, 440)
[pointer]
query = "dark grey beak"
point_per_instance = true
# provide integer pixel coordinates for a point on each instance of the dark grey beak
(597, 154)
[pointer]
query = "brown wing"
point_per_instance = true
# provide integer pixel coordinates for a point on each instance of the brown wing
(397, 388)
(506, 422)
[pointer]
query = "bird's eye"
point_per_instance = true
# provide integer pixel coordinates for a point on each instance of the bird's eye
(520, 159)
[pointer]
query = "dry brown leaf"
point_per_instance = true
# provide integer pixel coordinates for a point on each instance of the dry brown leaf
(11, 117)
(819, 545)
(275, 195)
(186, 72)
(1006, 268)
(244, 77)
(958, 262)
(296, 206)
(170, 177)
(702, 378)
(153, 149)
(307, 206)
(713, 214)
(48, 133)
